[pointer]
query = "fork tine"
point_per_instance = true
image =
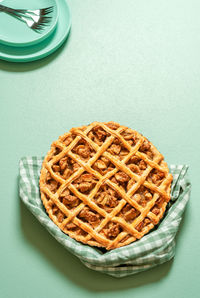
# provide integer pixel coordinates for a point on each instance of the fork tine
(50, 8)
(37, 28)
(41, 24)
(47, 10)
(44, 20)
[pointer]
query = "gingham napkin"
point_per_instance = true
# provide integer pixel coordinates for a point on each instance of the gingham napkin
(153, 249)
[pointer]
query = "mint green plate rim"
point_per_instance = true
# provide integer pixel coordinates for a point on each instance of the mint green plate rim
(46, 47)
(34, 39)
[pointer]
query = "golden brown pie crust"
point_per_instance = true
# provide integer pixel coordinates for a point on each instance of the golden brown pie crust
(105, 184)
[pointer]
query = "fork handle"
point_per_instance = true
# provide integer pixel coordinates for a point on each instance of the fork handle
(18, 13)
(11, 12)
(7, 9)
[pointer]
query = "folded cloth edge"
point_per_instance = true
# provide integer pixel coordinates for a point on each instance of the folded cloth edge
(92, 257)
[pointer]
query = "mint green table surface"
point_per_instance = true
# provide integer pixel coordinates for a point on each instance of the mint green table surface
(135, 62)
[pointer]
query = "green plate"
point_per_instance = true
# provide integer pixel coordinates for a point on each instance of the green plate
(47, 46)
(16, 33)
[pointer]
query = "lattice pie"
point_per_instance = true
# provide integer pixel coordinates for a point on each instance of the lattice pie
(104, 184)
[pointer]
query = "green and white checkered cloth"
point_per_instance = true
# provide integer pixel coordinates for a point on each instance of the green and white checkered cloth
(153, 249)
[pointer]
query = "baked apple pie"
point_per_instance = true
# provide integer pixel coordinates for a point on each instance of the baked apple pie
(105, 184)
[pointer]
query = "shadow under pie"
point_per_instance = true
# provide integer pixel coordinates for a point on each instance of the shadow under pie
(59, 259)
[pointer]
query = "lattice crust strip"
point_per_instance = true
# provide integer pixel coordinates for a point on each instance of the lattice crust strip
(105, 184)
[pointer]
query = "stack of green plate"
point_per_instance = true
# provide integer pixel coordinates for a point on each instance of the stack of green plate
(19, 43)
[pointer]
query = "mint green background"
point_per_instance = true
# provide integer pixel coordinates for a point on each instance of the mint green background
(135, 62)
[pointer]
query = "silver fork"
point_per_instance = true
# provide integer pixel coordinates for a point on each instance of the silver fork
(34, 19)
